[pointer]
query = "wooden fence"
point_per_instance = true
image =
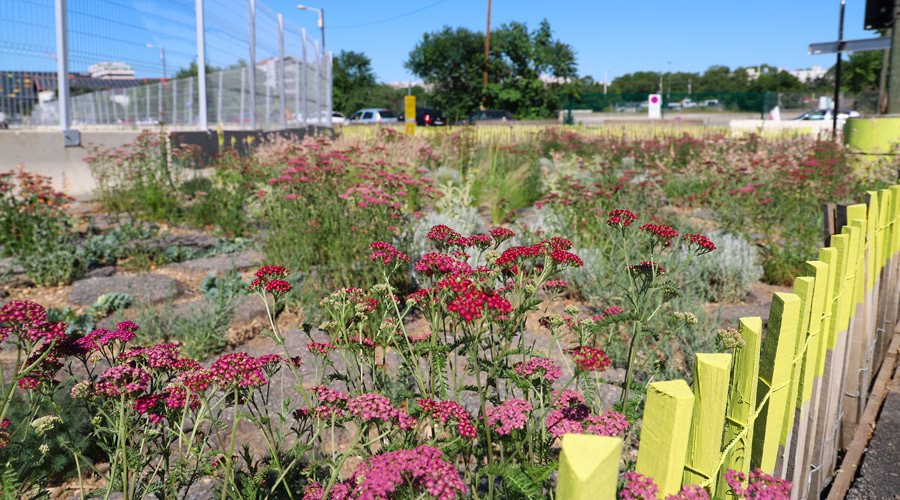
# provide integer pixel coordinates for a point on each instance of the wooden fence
(786, 404)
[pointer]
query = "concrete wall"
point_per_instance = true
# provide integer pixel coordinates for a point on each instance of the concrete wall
(42, 152)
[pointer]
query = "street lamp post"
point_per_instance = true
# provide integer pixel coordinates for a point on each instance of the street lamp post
(162, 55)
(321, 13)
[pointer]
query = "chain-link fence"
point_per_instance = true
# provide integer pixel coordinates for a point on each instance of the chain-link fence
(135, 63)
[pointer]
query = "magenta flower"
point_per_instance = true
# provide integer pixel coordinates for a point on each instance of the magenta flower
(509, 415)
(541, 367)
(444, 410)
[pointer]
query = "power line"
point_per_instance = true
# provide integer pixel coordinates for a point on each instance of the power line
(380, 21)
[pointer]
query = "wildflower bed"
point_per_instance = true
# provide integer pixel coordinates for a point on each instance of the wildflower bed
(441, 366)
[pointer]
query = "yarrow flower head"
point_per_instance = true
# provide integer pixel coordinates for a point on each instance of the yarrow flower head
(444, 410)
(761, 486)
(589, 359)
(266, 274)
(386, 253)
(730, 338)
(501, 234)
(380, 477)
(123, 380)
(611, 311)
(509, 415)
(278, 287)
(687, 317)
(43, 425)
(700, 243)
(646, 267)
(471, 305)
(621, 218)
(541, 368)
(373, 406)
(663, 234)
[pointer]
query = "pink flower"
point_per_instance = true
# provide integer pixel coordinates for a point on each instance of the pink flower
(541, 367)
(443, 410)
(509, 415)
(377, 407)
(501, 234)
(621, 218)
(123, 380)
(386, 253)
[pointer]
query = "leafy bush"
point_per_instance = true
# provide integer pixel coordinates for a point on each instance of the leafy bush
(726, 275)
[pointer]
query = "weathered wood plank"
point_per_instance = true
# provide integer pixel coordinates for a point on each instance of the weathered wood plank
(588, 467)
(665, 434)
(742, 402)
(775, 369)
(712, 374)
(787, 453)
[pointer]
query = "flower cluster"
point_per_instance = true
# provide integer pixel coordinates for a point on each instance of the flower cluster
(266, 274)
(420, 469)
(122, 380)
(541, 367)
(239, 369)
(761, 486)
(386, 253)
(441, 264)
(702, 243)
(589, 359)
(621, 218)
(729, 338)
(473, 303)
(509, 415)
(648, 267)
(443, 410)
(373, 406)
(501, 234)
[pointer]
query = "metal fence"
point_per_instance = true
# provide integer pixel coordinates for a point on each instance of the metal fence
(261, 71)
(712, 108)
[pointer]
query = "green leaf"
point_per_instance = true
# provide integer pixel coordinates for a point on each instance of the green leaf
(517, 481)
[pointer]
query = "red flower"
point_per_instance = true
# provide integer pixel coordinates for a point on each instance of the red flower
(621, 218)
(589, 359)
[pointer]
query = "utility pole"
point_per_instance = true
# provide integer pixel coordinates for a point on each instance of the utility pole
(690, 79)
(882, 78)
(605, 81)
(487, 54)
(893, 106)
(837, 75)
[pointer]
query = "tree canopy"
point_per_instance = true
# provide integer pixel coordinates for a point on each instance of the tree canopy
(452, 60)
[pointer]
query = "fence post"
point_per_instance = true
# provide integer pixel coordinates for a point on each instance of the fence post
(588, 467)
(252, 64)
(190, 96)
(775, 368)
(297, 92)
(305, 87)
(811, 383)
(174, 119)
(790, 431)
(201, 67)
(219, 97)
(283, 111)
(742, 402)
(70, 138)
(329, 62)
(318, 83)
(243, 88)
(712, 374)
(135, 101)
(828, 256)
(664, 434)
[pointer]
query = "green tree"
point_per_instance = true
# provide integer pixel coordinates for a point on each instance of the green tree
(353, 82)
(862, 71)
(452, 60)
(193, 70)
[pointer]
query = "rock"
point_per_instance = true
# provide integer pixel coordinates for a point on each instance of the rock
(101, 272)
(145, 288)
(608, 395)
(7, 264)
(222, 263)
(246, 309)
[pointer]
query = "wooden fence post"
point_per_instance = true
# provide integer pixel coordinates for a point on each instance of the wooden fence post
(742, 403)
(775, 368)
(664, 434)
(803, 288)
(712, 373)
(588, 467)
(827, 256)
(810, 381)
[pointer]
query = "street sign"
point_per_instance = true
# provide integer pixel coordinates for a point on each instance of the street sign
(654, 108)
(850, 46)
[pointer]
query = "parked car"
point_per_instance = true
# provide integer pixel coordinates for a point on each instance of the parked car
(427, 117)
(373, 115)
(3, 122)
(825, 114)
(489, 115)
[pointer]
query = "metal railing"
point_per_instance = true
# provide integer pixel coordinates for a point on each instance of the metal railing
(289, 84)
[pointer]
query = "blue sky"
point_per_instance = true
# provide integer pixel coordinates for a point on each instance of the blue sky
(616, 36)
